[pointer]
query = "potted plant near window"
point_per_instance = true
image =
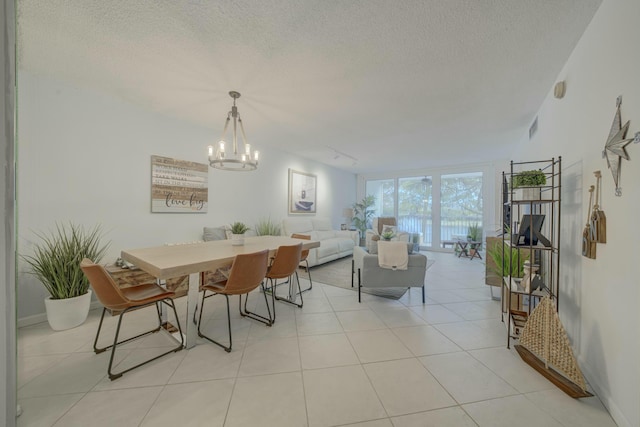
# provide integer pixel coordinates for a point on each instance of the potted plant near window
(362, 215)
(237, 233)
(474, 234)
(56, 263)
(526, 185)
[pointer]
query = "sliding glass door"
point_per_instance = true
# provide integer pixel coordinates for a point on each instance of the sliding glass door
(437, 206)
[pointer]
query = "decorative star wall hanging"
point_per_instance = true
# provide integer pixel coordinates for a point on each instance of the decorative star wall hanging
(615, 149)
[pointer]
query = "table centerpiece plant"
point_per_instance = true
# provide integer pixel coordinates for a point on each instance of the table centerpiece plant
(387, 235)
(237, 233)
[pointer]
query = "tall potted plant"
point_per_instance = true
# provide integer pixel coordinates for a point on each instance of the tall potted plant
(266, 227)
(56, 263)
(362, 214)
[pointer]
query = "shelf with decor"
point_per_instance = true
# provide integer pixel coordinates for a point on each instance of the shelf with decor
(533, 242)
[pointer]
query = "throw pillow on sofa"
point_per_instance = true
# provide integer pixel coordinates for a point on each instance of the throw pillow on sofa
(214, 233)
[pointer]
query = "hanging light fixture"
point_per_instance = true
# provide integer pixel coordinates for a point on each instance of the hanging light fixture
(230, 158)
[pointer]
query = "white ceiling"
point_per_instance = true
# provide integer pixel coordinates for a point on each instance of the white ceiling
(395, 84)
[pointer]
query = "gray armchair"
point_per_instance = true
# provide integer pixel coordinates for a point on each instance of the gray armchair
(370, 275)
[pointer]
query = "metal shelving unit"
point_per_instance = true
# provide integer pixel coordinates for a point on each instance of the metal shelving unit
(545, 253)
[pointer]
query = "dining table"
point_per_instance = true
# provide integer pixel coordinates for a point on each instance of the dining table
(168, 261)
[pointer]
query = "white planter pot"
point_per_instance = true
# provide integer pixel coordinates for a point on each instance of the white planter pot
(67, 313)
(530, 193)
(237, 239)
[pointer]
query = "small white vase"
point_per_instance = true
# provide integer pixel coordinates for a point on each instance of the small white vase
(67, 313)
(237, 239)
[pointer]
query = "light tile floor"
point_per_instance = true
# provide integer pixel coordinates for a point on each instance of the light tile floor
(334, 362)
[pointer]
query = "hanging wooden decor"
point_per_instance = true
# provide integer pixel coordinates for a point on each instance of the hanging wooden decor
(545, 346)
(588, 244)
(598, 218)
(615, 148)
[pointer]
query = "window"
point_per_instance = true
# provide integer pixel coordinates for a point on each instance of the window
(384, 191)
(438, 206)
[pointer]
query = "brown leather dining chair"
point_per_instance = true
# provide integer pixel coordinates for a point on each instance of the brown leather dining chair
(285, 266)
(246, 274)
(303, 257)
(112, 297)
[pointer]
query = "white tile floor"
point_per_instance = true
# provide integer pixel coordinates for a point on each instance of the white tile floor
(334, 362)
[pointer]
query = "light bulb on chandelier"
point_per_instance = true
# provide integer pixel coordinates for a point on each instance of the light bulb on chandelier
(222, 159)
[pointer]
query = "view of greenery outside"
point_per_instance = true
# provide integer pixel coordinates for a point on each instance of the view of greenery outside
(414, 207)
(460, 203)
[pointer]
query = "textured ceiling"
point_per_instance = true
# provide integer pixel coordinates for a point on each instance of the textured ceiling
(394, 84)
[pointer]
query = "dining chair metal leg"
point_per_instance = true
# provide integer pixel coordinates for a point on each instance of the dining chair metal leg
(251, 315)
(200, 334)
(308, 274)
(112, 375)
(292, 293)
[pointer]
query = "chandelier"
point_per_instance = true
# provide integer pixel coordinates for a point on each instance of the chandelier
(233, 160)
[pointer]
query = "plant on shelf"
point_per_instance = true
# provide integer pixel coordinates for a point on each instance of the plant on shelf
(266, 227)
(527, 185)
(56, 263)
(507, 260)
(362, 214)
(530, 178)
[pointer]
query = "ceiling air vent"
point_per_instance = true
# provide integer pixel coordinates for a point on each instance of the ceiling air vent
(534, 128)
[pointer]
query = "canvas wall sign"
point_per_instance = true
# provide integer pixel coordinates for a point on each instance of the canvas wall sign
(178, 186)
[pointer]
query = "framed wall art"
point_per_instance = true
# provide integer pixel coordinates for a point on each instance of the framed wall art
(178, 186)
(302, 192)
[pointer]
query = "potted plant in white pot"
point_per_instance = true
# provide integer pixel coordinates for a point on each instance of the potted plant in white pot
(526, 185)
(56, 263)
(237, 233)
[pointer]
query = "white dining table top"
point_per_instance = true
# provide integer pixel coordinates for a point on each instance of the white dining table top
(169, 261)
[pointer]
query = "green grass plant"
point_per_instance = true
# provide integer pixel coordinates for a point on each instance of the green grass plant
(56, 260)
(266, 227)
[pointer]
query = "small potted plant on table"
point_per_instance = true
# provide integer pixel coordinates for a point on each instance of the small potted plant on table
(237, 233)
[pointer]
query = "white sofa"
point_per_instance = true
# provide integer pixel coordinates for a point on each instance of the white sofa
(334, 244)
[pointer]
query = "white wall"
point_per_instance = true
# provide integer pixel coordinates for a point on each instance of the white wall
(599, 298)
(85, 157)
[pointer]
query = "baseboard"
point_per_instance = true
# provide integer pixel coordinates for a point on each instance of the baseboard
(604, 395)
(42, 317)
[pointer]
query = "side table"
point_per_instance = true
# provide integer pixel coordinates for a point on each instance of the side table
(466, 245)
